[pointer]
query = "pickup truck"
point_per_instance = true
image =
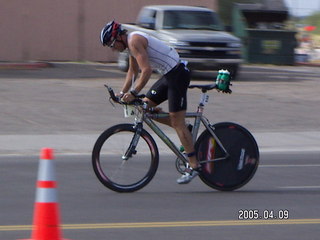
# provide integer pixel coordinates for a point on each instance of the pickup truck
(195, 32)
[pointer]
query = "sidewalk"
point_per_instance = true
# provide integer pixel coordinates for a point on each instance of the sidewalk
(281, 100)
(38, 65)
(23, 65)
(74, 144)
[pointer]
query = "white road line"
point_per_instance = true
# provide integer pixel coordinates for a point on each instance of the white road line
(300, 187)
(290, 165)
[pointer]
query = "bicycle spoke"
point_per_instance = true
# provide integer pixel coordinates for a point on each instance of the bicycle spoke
(118, 171)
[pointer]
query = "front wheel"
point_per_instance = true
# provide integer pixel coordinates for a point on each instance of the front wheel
(117, 171)
(227, 172)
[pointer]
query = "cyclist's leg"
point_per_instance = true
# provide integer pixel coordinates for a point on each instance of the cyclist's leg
(174, 87)
(178, 123)
(157, 94)
(178, 84)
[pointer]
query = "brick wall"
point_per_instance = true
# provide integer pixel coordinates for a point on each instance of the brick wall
(66, 30)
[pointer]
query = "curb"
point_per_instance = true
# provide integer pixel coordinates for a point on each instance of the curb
(39, 65)
(268, 142)
(24, 65)
(307, 64)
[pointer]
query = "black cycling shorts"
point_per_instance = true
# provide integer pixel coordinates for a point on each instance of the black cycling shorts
(172, 86)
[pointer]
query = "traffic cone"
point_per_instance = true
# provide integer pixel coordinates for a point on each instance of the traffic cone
(46, 221)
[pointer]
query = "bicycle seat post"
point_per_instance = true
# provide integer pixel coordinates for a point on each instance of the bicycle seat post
(204, 99)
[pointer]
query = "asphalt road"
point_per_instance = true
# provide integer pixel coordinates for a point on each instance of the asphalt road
(65, 107)
(284, 184)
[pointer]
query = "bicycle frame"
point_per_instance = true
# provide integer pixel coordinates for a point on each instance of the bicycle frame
(148, 117)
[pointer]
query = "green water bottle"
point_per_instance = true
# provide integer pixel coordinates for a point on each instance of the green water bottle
(181, 149)
(220, 72)
(223, 80)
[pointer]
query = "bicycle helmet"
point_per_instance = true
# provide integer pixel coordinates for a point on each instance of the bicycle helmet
(110, 32)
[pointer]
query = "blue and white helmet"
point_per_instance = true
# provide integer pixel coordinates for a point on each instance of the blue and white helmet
(110, 31)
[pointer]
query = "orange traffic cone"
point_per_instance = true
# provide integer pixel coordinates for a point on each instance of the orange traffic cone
(46, 221)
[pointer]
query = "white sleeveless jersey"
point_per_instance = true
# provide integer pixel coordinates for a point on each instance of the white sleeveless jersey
(161, 56)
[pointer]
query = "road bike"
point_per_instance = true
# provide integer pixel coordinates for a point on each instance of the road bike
(125, 157)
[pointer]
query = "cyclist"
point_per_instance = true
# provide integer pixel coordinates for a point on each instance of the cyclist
(148, 53)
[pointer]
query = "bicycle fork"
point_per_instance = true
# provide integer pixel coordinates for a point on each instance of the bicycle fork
(134, 142)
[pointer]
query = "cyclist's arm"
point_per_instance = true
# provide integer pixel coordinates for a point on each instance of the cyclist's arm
(133, 71)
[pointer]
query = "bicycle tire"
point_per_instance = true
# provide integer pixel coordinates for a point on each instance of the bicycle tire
(235, 171)
(122, 175)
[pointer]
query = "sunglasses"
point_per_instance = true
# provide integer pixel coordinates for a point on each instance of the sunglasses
(111, 43)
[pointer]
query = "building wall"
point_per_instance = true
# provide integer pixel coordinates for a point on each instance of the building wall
(66, 30)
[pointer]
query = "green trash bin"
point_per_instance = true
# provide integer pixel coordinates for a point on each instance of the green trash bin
(263, 33)
(271, 46)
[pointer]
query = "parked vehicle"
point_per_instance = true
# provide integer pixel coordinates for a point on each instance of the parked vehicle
(195, 32)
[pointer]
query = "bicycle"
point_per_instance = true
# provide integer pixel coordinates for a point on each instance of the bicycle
(125, 157)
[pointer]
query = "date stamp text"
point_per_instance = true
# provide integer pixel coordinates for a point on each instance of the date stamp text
(255, 214)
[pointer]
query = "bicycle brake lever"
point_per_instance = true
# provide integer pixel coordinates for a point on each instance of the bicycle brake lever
(111, 102)
(112, 95)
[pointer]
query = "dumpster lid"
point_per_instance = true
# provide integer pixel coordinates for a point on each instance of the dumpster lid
(268, 11)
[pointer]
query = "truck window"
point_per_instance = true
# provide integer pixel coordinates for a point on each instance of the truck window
(147, 18)
(191, 20)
